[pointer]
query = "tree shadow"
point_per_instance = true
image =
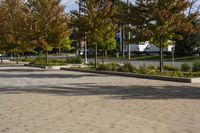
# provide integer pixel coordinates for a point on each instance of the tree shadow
(48, 75)
(111, 92)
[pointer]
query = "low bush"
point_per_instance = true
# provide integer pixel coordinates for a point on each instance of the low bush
(188, 74)
(51, 62)
(185, 67)
(143, 67)
(128, 67)
(196, 74)
(151, 71)
(108, 67)
(170, 68)
(101, 67)
(196, 66)
(74, 60)
(112, 66)
(23, 59)
(151, 67)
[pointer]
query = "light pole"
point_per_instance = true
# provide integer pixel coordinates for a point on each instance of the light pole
(85, 42)
(86, 61)
(129, 34)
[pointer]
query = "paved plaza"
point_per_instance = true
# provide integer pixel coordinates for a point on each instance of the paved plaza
(74, 102)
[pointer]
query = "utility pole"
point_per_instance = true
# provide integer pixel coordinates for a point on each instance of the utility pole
(122, 40)
(129, 34)
(82, 12)
(86, 61)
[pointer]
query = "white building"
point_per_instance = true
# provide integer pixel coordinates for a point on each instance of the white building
(147, 47)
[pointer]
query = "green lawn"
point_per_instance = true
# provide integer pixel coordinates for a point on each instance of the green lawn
(152, 58)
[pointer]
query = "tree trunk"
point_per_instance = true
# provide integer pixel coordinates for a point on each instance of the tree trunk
(1, 58)
(26, 56)
(46, 57)
(161, 55)
(102, 57)
(106, 55)
(17, 59)
(96, 53)
(86, 61)
(123, 51)
(129, 51)
(11, 56)
(59, 49)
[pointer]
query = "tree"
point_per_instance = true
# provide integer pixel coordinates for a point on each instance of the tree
(79, 26)
(1, 33)
(98, 15)
(14, 27)
(50, 22)
(121, 21)
(109, 39)
(188, 45)
(66, 44)
(158, 21)
(190, 42)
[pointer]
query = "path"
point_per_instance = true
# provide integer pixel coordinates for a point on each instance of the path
(74, 102)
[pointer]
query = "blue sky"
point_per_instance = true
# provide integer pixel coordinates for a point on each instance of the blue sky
(72, 5)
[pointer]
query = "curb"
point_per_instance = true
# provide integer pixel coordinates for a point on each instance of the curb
(143, 76)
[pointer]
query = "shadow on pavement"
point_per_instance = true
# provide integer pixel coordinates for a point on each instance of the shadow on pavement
(45, 75)
(113, 92)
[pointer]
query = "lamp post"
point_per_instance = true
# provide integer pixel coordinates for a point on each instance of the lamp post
(85, 38)
(129, 34)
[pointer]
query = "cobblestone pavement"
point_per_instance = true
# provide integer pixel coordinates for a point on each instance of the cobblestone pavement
(74, 102)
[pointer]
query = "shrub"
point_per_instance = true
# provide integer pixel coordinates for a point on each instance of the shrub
(196, 66)
(196, 74)
(170, 68)
(143, 68)
(108, 67)
(41, 61)
(112, 66)
(177, 74)
(101, 67)
(151, 67)
(151, 71)
(128, 67)
(185, 67)
(74, 60)
(188, 74)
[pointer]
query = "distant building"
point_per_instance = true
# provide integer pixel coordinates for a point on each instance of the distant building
(147, 48)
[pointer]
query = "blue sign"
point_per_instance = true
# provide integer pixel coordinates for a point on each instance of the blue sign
(118, 37)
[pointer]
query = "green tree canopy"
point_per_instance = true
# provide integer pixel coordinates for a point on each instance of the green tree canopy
(15, 26)
(96, 22)
(50, 22)
(158, 21)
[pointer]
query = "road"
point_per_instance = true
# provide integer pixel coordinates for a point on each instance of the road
(146, 62)
(73, 102)
(121, 61)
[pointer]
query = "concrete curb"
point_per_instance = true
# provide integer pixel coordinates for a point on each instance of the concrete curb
(44, 67)
(54, 67)
(143, 76)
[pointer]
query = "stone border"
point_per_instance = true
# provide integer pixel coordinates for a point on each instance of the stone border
(55, 67)
(44, 67)
(144, 76)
